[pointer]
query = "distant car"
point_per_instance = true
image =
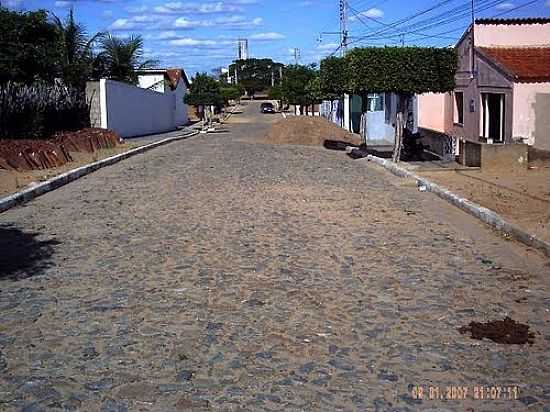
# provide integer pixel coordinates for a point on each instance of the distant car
(267, 108)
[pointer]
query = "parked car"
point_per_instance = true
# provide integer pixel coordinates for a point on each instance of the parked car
(267, 108)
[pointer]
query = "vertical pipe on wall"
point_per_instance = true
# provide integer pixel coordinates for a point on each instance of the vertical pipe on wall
(103, 103)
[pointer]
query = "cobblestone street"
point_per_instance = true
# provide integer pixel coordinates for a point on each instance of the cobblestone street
(218, 273)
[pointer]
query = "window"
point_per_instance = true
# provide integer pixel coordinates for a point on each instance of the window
(459, 108)
(375, 102)
(493, 116)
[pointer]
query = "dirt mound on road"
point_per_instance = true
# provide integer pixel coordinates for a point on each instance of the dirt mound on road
(27, 154)
(309, 131)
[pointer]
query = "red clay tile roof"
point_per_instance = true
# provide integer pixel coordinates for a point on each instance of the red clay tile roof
(525, 64)
(174, 76)
(525, 20)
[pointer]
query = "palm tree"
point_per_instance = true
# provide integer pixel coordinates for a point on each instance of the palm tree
(76, 50)
(121, 58)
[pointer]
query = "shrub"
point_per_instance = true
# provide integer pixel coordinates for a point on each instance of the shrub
(39, 110)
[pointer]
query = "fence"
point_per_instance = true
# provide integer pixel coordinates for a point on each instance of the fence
(39, 110)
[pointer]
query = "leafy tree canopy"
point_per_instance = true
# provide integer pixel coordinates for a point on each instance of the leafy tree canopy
(76, 50)
(297, 85)
(119, 58)
(333, 77)
(28, 47)
(231, 93)
(256, 74)
(405, 70)
(204, 90)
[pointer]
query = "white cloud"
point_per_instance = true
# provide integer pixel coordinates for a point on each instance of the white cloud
(122, 24)
(12, 4)
(505, 6)
(547, 4)
(373, 13)
(267, 36)
(178, 7)
(63, 4)
(184, 23)
(328, 46)
(201, 43)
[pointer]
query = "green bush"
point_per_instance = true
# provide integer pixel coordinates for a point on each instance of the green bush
(405, 70)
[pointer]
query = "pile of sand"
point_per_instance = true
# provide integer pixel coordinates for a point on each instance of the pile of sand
(310, 131)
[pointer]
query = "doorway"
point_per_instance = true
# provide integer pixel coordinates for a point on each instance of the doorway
(492, 116)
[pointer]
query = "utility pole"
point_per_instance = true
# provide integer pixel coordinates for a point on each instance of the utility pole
(473, 50)
(343, 27)
(280, 75)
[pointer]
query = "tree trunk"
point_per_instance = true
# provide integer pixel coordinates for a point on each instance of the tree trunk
(399, 124)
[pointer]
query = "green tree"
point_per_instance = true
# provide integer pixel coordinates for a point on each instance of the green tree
(296, 85)
(230, 93)
(76, 50)
(119, 58)
(276, 93)
(28, 47)
(333, 77)
(256, 74)
(204, 90)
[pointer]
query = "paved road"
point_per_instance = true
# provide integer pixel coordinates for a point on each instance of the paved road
(220, 273)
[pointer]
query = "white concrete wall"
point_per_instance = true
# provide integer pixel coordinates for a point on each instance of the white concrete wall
(532, 114)
(347, 119)
(133, 111)
(181, 115)
(145, 81)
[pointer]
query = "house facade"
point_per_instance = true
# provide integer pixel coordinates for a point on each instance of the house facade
(371, 114)
(502, 92)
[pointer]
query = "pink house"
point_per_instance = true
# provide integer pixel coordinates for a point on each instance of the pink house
(502, 92)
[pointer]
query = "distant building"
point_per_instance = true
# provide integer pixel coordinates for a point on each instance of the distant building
(242, 52)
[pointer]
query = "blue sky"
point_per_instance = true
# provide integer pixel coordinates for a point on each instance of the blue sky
(201, 35)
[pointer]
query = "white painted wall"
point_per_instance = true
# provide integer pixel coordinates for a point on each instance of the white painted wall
(145, 81)
(347, 120)
(530, 100)
(133, 111)
(181, 115)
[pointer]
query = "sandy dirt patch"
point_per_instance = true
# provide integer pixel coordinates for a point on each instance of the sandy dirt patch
(522, 198)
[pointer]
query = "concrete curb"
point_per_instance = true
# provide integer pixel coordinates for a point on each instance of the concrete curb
(27, 195)
(487, 216)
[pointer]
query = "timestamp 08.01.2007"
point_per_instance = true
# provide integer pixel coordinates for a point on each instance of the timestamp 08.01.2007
(465, 392)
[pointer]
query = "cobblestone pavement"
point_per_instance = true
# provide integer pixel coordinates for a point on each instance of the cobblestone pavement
(218, 273)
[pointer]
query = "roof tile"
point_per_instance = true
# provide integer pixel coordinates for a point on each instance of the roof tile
(526, 64)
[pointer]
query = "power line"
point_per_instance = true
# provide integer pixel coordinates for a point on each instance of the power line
(430, 23)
